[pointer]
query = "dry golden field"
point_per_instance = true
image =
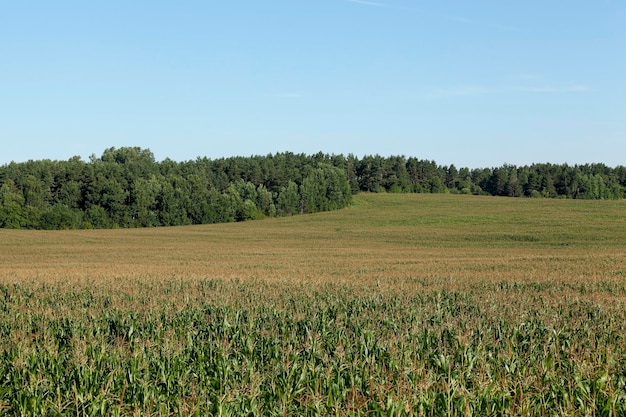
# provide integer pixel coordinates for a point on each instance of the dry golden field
(398, 305)
(382, 239)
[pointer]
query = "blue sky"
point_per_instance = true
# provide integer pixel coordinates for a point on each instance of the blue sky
(473, 83)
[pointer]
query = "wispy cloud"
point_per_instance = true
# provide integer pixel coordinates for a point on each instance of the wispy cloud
(262, 96)
(532, 85)
(289, 95)
(435, 15)
(463, 20)
(532, 89)
(459, 91)
(524, 77)
(367, 3)
(580, 88)
(379, 5)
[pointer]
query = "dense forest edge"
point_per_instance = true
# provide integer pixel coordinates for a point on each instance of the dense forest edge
(127, 187)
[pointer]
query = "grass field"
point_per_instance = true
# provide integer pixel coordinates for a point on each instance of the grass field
(399, 305)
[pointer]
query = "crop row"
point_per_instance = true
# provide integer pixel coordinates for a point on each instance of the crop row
(233, 348)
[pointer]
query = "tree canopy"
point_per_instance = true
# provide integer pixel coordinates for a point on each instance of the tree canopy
(126, 187)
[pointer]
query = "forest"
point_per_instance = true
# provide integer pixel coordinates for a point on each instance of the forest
(126, 187)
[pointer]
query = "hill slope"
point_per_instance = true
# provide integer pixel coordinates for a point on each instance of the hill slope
(382, 236)
(400, 305)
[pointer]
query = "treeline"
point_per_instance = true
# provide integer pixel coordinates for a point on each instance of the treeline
(126, 187)
(399, 174)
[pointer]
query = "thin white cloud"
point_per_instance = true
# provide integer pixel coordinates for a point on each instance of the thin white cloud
(261, 96)
(533, 83)
(462, 20)
(367, 3)
(541, 87)
(445, 16)
(288, 95)
(580, 88)
(524, 77)
(459, 91)
(533, 89)
(440, 16)
(548, 89)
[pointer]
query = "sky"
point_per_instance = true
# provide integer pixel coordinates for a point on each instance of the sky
(476, 84)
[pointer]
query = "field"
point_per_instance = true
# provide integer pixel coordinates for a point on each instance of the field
(399, 305)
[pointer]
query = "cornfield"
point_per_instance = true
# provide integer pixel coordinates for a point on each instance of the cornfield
(417, 305)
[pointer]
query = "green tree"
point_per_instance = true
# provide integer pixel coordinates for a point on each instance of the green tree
(351, 173)
(60, 217)
(144, 194)
(108, 193)
(35, 194)
(12, 214)
(514, 188)
(547, 186)
(171, 203)
(199, 199)
(70, 194)
(396, 175)
(288, 201)
(265, 201)
(325, 188)
(97, 217)
(452, 177)
(499, 181)
(222, 209)
(370, 173)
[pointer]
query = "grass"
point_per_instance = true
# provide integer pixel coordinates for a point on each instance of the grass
(399, 305)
